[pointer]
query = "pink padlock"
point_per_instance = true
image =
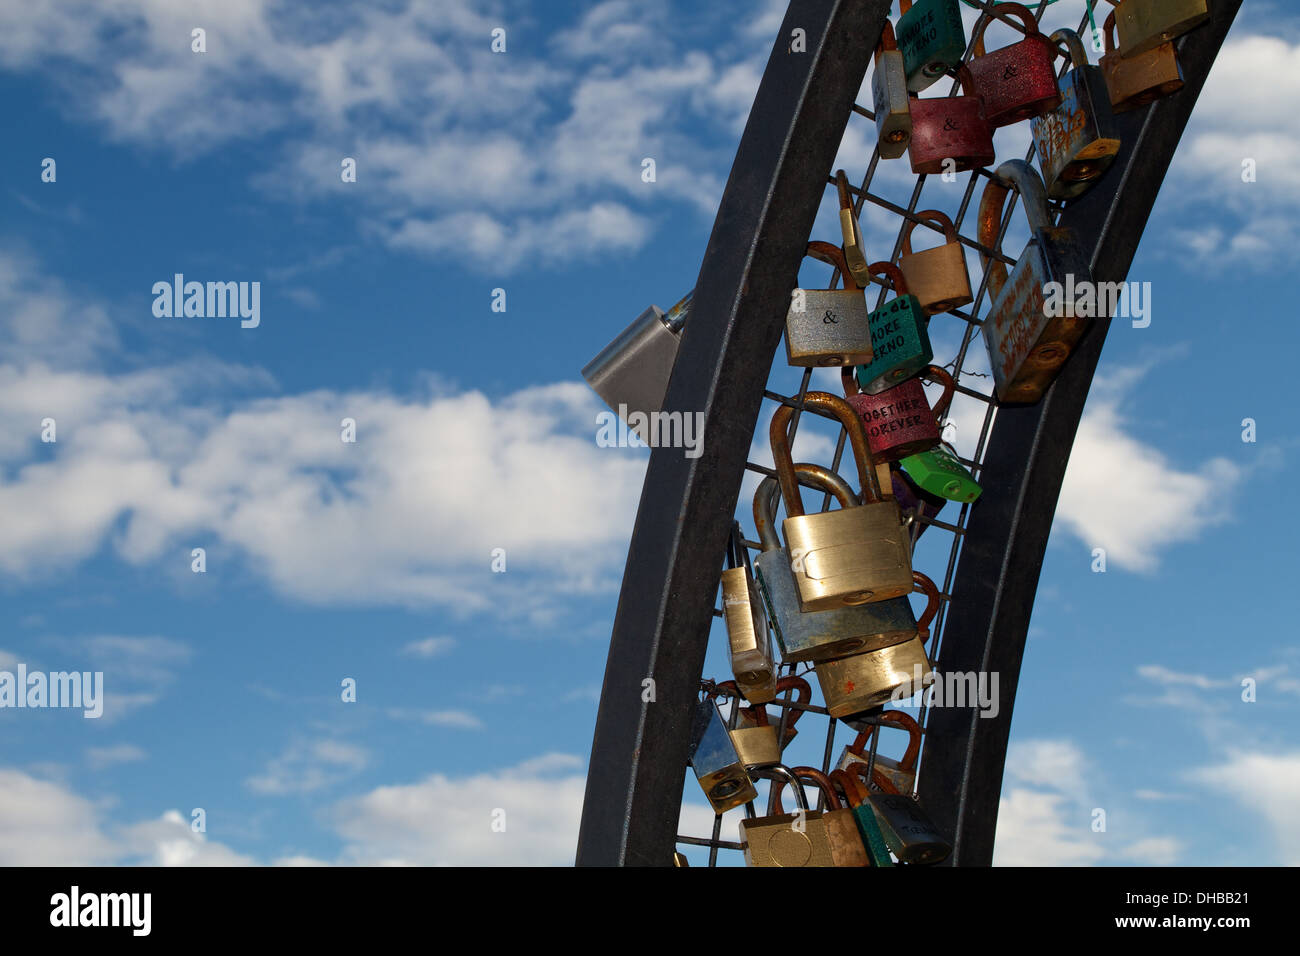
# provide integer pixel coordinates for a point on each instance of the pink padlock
(899, 421)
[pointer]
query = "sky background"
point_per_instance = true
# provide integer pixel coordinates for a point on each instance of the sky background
(373, 561)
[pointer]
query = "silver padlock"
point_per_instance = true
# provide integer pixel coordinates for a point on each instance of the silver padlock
(714, 759)
(828, 327)
(631, 373)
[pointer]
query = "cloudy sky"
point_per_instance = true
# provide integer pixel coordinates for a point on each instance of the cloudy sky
(475, 436)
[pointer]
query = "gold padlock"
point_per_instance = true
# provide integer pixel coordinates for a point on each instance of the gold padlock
(784, 839)
(855, 252)
(750, 717)
(1136, 80)
(938, 276)
(850, 556)
(1147, 24)
(756, 743)
(837, 822)
(743, 613)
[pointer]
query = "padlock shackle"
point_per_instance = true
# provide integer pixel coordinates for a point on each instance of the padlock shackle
(807, 773)
(769, 490)
(1017, 174)
(737, 553)
(854, 793)
(878, 779)
(1108, 31)
(929, 215)
(887, 39)
(833, 255)
(921, 583)
(936, 374)
(779, 438)
(1001, 12)
(894, 273)
(900, 719)
(967, 86)
(1078, 54)
(779, 774)
(851, 233)
(803, 694)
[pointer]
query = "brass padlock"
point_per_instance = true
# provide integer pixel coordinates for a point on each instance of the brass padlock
(908, 830)
(827, 327)
(889, 97)
(784, 839)
(841, 829)
(1076, 142)
(717, 766)
(679, 859)
(1027, 342)
(845, 557)
(938, 276)
(1136, 80)
(902, 772)
(756, 742)
(748, 641)
(754, 716)
(1147, 24)
(854, 249)
(856, 799)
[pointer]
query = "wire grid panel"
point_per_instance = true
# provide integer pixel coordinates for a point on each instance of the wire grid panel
(884, 202)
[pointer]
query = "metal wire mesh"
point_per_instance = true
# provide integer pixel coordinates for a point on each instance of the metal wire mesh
(863, 194)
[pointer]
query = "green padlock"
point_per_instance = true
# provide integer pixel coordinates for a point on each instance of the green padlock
(931, 38)
(900, 338)
(939, 472)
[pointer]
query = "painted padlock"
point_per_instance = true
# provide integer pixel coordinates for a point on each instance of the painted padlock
(941, 473)
(1017, 81)
(932, 39)
(950, 134)
(899, 421)
(828, 327)
(900, 336)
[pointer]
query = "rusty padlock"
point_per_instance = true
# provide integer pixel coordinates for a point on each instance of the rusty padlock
(1017, 81)
(950, 134)
(899, 421)
(901, 772)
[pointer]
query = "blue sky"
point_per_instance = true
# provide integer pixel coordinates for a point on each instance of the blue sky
(373, 560)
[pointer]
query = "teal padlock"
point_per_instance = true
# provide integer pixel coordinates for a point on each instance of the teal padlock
(939, 472)
(900, 339)
(856, 795)
(932, 40)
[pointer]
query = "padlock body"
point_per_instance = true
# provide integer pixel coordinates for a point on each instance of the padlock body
(889, 103)
(846, 846)
(631, 373)
(832, 329)
(900, 339)
(908, 830)
(823, 635)
(850, 556)
(899, 421)
(903, 780)
(872, 837)
(939, 472)
(1133, 82)
(1018, 81)
(1076, 142)
(748, 643)
(932, 40)
(1026, 346)
(853, 684)
(774, 841)
(949, 128)
(717, 766)
(1142, 25)
(937, 278)
(756, 746)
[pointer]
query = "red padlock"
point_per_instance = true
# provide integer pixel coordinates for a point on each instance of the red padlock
(899, 421)
(1018, 81)
(950, 128)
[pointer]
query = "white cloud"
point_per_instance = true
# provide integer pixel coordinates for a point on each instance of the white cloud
(170, 841)
(306, 766)
(100, 757)
(1163, 675)
(43, 824)
(1267, 786)
(460, 719)
(429, 647)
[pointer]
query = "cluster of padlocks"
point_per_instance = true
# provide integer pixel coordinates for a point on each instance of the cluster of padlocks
(836, 593)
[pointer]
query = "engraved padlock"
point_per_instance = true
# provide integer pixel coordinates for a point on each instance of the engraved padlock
(899, 421)
(717, 766)
(900, 336)
(843, 840)
(827, 327)
(950, 134)
(1017, 81)
(851, 556)
(1136, 80)
(1027, 340)
(748, 643)
(889, 97)
(932, 39)
(1147, 24)
(938, 276)
(908, 830)
(901, 772)
(1076, 142)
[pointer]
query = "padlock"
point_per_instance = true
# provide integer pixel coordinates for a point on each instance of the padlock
(950, 134)
(1026, 345)
(915, 503)
(940, 472)
(899, 421)
(714, 759)
(856, 798)
(931, 38)
(851, 556)
(938, 276)
(631, 373)
(1147, 24)
(859, 682)
(902, 772)
(889, 97)
(854, 249)
(755, 742)
(748, 643)
(784, 839)
(790, 713)
(1134, 81)
(1076, 142)
(836, 821)
(818, 635)
(828, 326)
(1018, 81)
(679, 859)
(900, 336)
(908, 830)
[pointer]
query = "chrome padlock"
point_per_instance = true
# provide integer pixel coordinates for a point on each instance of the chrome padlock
(784, 839)
(856, 797)
(827, 327)
(908, 830)
(1027, 346)
(631, 373)
(1019, 80)
(819, 635)
(1138, 79)
(837, 822)
(1076, 142)
(902, 772)
(1147, 24)
(851, 556)
(756, 743)
(889, 97)
(717, 766)
(748, 643)
(938, 276)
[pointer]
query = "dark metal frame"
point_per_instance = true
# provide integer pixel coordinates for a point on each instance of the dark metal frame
(665, 609)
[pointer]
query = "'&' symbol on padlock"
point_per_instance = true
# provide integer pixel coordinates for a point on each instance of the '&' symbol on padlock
(949, 125)
(1010, 72)
(830, 318)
